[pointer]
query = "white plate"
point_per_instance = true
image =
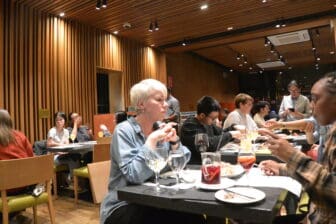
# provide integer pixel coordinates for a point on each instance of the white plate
(228, 197)
(234, 171)
(225, 183)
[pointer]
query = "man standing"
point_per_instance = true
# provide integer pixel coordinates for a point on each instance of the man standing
(173, 111)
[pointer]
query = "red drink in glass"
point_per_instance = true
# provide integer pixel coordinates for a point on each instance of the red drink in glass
(246, 161)
(211, 174)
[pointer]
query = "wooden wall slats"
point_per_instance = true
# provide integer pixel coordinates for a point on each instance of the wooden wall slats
(50, 63)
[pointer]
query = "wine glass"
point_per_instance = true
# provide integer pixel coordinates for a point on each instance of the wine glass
(246, 158)
(201, 142)
(73, 137)
(156, 160)
(177, 162)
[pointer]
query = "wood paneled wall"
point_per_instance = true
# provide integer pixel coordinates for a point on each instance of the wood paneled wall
(48, 62)
(194, 77)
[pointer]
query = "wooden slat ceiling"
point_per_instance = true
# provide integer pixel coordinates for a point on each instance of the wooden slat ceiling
(206, 31)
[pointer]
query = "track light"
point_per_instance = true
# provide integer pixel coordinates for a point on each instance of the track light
(238, 57)
(156, 26)
(184, 42)
(150, 29)
(104, 3)
(99, 4)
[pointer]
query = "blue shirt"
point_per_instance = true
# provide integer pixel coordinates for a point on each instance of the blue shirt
(128, 164)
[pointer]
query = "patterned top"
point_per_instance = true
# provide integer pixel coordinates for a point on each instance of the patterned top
(319, 180)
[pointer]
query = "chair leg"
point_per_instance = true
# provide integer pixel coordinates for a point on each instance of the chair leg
(51, 210)
(54, 182)
(35, 214)
(75, 179)
(5, 218)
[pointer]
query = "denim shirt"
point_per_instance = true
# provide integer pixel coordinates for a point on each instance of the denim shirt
(128, 164)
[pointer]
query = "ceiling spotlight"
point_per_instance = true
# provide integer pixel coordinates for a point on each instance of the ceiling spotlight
(230, 28)
(245, 62)
(261, 71)
(184, 42)
(280, 73)
(62, 14)
(332, 52)
(250, 68)
(204, 7)
(316, 65)
(290, 67)
(318, 58)
(231, 70)
(240, 65)
(272, 49)
(278, 25)
(116, 32)
(238, 57)
(313, 48)
(264, 1)
(267, 42)
(150, 28)
(152, 45)
(317, 32)
(156, 26)
(104, 3)
(99, 4)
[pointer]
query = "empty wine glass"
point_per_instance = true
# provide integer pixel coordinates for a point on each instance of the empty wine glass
(156, 160)
(246, 158)
(201, 142)
(177, 162)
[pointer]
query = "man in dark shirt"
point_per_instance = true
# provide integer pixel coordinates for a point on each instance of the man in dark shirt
(204, 122)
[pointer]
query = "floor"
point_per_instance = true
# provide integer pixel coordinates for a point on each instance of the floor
(65, 212)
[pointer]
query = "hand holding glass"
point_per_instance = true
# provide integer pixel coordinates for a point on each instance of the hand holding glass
(72, 137)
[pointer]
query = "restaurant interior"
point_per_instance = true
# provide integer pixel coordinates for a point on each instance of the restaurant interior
(86, 55)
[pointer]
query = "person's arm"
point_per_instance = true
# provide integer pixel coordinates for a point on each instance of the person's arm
(318, 180)
(282, 109)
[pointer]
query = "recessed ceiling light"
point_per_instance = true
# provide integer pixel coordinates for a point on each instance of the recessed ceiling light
(204, 7)
(231, 70)
(230, 28)
(318, 59)
(290, 67)
(280, 73)
(332, 52)
(277, 26)
(152, 45)
(264, 1)
(62, 14)
(240, 65)
(116, 32)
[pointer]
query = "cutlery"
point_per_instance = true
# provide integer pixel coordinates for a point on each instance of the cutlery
(239, 194)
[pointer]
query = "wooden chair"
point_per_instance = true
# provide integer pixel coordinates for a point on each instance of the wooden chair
(19, 173)
(99, 175)
(101, 152)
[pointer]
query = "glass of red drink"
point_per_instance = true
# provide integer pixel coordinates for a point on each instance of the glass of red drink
(246, 158)
(211, 167)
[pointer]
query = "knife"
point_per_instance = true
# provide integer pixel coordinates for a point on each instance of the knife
(239, 194)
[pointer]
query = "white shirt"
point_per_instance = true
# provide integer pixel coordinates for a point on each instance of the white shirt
(59, 137)
(237, 117)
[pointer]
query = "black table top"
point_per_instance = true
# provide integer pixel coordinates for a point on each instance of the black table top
(204, 202)
(71, 148)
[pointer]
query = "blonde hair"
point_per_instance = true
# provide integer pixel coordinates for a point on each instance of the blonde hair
(6, 128)
(242, 98)
(141, 91)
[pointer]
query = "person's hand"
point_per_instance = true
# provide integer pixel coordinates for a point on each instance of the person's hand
(281, 148)
(166, 133)
(266, 132)
(272, 124)
(309, 128)
(241, 128)
(236, 134)
(103, 127)
(270, 167)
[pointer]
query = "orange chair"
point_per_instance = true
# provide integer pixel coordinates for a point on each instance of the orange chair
(17, 173)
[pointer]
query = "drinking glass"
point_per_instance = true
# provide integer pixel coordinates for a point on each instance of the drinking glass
(177, 162)
(211, 167)
(246, 158)
(201, 142)
(73, 137)
(156, 160)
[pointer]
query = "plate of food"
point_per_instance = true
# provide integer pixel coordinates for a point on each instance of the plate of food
(240, 195)
(231, 171)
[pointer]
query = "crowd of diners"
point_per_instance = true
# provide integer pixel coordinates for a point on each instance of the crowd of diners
(135, 136)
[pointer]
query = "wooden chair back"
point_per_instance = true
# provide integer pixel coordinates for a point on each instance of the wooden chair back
(104, 140)
(101, 152)
(17, 173)
(99, 173)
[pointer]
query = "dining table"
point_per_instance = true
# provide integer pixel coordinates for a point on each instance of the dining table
(199, 200)
(80, 147)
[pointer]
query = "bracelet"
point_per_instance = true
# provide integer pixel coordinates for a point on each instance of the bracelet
(174, 142)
